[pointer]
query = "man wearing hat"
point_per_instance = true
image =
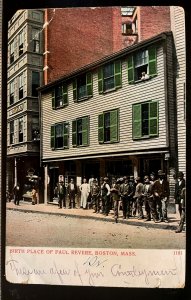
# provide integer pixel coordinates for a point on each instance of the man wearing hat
(138, 198)
(105, 195)
(61, 195)
(124, 192)
(179, 185)
(160, 191)
(132, 202)
(115, 197)
(95, 194)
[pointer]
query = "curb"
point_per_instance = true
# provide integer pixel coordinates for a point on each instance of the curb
(132, 222)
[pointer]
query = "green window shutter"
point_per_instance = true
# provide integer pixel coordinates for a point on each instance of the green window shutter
(66, 134)
(114, 125)
(52, 137)
(130, 69)
(53, 98)
(101, 128)
(75, 90)
(100, 80)
(152, 61)
(85, 131)
(74, 133)
(137, 122)
(89, 84)
(117, 74)
(153, 118)
(65, 94)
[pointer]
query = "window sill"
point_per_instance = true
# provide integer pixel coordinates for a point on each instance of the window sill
(61, 148)
(145, 137)
(109, 91)
(142, 80)
(82, 99)
(80, 146)
(59, 107)
(107, 143)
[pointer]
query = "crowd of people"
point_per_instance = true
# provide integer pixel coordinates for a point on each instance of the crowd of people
(129, 195)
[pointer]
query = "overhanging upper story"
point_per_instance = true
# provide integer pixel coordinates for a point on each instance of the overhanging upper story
(118, 105)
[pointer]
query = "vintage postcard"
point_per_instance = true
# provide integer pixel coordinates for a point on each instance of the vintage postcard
(96, 147)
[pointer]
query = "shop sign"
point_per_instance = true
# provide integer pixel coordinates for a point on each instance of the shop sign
(17, 109)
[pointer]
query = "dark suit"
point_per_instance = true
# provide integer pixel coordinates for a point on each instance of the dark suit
(177, 195)
(161, 192)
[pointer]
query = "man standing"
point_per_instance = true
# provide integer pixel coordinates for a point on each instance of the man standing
(179, 185)
(85, 190)
(61, 195)
(105, 192)
(16, 193)
(131, 200)
(139, 198)
(124, 192)
(72, 191)
(183, 214)
(115, 196)
(160, 192)
(95, 195)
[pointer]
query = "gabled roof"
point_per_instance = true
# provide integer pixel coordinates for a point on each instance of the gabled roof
(106, 59)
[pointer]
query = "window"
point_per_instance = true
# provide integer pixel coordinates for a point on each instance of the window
(143, 61)
(60, 136)
(11, 92)
(20, 130)
(11, 140)
(145, 120)
(12, 49)
(21, 39)
(35, 40)
(21, 86)
(35, 129)
(127, 10)
(80, 132)
(35, 83)
(108, 127)
(109, 77)
(127, 29)
(82, 87)
(60, 96)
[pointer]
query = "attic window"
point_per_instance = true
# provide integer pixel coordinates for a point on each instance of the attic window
(127, 10)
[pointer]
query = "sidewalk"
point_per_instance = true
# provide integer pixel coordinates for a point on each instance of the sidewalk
(53, 209)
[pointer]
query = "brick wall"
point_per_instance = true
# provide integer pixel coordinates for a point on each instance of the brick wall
(153, 20)
(75, 37)
(83, 35)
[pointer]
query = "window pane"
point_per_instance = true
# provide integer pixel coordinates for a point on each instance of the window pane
(59, 136)
(145, 119)
(107, 127)
(35, 83)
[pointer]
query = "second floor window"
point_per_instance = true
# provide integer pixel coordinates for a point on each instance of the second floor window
(82, 87)
(108, 126)
(80, 132)
(21, 42)
(35, 83)
(142, 65)
(20, 130)
(35, 40)
(145, 120)
(109, 77)
(21, 86)
(60, 135)
(11, 131)
(127, 29)
(11, 93)
(60, 96)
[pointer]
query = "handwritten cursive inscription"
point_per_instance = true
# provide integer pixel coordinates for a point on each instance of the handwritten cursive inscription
(92, 271)
(118, 271)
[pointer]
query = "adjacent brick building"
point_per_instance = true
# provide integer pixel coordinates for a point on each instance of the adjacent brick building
(75, 37)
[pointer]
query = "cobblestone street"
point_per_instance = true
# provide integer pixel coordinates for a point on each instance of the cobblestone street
(46, 225)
